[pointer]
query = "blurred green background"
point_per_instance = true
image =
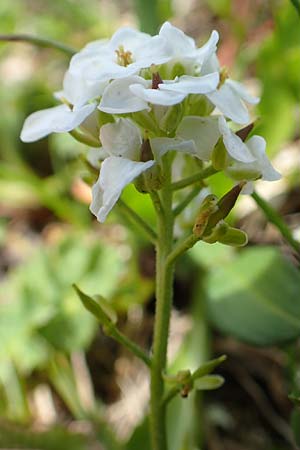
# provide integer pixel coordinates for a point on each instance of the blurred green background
(63, 384)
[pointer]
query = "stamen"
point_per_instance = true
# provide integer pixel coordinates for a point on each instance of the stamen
(66, 102)
(124, 58)
(223, 76)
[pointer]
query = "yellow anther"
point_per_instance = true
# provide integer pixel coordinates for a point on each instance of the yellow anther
(223, 76)
(124, 58)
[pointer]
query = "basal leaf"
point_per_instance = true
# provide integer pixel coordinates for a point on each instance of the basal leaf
(256, 297)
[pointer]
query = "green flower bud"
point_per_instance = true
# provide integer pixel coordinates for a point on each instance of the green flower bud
(208, 207)
(209, 382)
(217, 233)
(234, 237)
(225, 205)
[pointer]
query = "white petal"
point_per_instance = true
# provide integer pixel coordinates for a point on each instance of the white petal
(257, 146)
(154, 51)
(234, 145)
(210, 65)
(204, 131)
(208, 49)
(117, 97)
(229, 103)
(128, 38)
(54, 120)
(178, 42)
(192, 85)
(121, 138)
(156, 96)
(95, 46)
(78, 92)
(115, 174)
(160, 146)
(241, 91)
(95, 156)
(94, 54)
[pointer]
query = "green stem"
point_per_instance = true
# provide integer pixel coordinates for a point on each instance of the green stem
(164, 285)
(158, 206)
(132, 215)
(185, 202)
(205, 173)
(273, 216)
(181, 248)
(115, 334)
(40, 42)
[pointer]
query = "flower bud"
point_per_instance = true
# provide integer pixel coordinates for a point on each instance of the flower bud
(216, 233)
(234, 237)
(208, 207)
(225, 205)
(209, 382)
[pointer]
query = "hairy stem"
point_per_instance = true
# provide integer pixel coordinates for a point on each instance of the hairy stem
(164, 285)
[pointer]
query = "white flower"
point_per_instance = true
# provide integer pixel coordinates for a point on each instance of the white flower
(63, 118)
(115, 174)
(183, 49)
(134, 93)
(125, 54)
(249, 159)
(122, 141)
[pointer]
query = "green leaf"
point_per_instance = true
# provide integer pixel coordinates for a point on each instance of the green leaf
(256, 297)
(95, 308)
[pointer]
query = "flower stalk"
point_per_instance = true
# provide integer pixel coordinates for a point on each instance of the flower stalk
(164, 291)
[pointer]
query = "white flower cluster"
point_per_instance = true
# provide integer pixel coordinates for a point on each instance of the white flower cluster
(165, 88)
